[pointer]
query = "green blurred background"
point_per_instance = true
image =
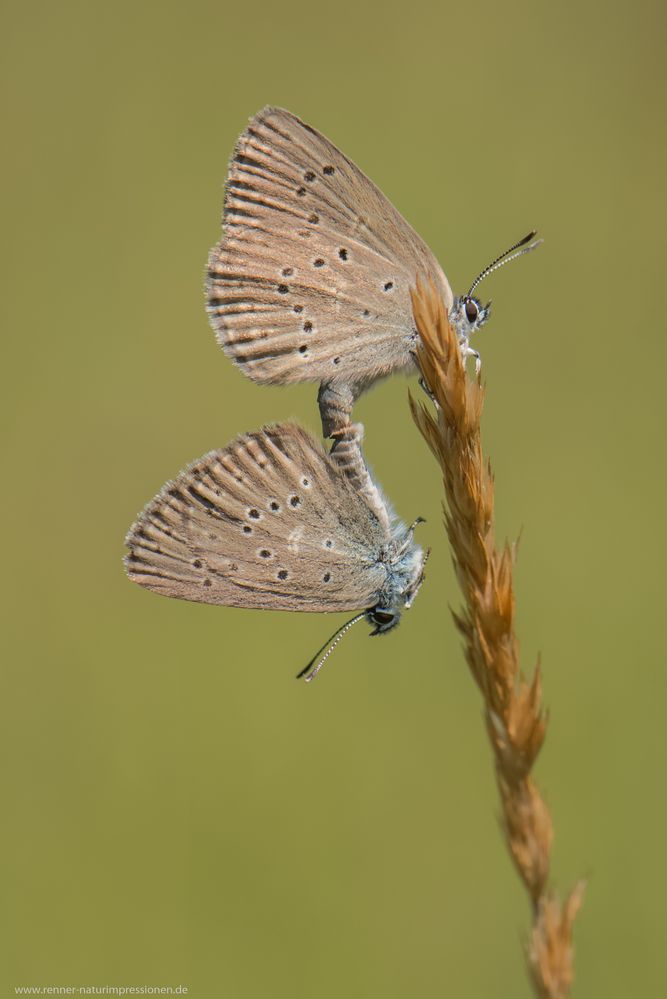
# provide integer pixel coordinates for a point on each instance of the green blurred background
(177, 810)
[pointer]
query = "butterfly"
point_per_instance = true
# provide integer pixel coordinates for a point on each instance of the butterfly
(272, 522)
(311, 279)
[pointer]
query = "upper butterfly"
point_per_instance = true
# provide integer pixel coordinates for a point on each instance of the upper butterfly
(311, 279)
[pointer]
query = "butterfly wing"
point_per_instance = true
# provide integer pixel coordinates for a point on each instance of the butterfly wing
(311, 280)
(267, 522)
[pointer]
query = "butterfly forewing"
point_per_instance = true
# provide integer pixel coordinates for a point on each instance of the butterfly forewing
(267, 522)
(311, 280)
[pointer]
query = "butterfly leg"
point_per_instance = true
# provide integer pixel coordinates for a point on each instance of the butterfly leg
(467, 352)
(426, 389)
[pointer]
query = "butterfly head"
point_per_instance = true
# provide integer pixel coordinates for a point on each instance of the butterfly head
(387, 614)
(384, 619)
(404, 562)
(405, 575)
(467, 315)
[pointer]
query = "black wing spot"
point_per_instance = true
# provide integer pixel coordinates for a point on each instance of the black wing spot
(282, 289)
(274, 506)
(298, 309)
(303, 348)
(307, 326)
(313, 219)
(342, 253)
(326, 577)
(388, 285)
(247, 529)
(309, 176)
(253, 513)
(300, 191)
(328, 170)
(197, 564)
(288, 271)
(318, 263)
(282, 574)
(207, 582)
(295, 501)
(336, 360)
(264, 553)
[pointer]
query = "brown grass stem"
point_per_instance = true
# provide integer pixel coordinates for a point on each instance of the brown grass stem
(515, 718)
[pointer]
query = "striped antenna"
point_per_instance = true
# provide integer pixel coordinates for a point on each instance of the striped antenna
(309, 674)
(505, 258)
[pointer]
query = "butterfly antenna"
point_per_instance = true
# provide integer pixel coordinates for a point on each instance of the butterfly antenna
(505, 258)
(310, 673)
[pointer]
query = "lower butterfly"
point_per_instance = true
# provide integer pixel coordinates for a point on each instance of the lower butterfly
(273, 522)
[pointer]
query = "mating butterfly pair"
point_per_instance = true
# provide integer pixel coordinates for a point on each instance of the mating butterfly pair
(310, 282)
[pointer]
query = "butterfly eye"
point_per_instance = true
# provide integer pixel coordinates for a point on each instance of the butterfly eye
(384, 620)
(471, 311)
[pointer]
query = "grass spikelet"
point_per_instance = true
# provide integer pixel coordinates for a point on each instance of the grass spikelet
(515, 718)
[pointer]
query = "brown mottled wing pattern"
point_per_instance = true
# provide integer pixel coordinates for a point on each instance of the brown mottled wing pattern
(311, 279)
(267, 522)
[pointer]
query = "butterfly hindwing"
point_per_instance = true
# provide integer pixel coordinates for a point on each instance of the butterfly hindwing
(311, 280)
(267, 522)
